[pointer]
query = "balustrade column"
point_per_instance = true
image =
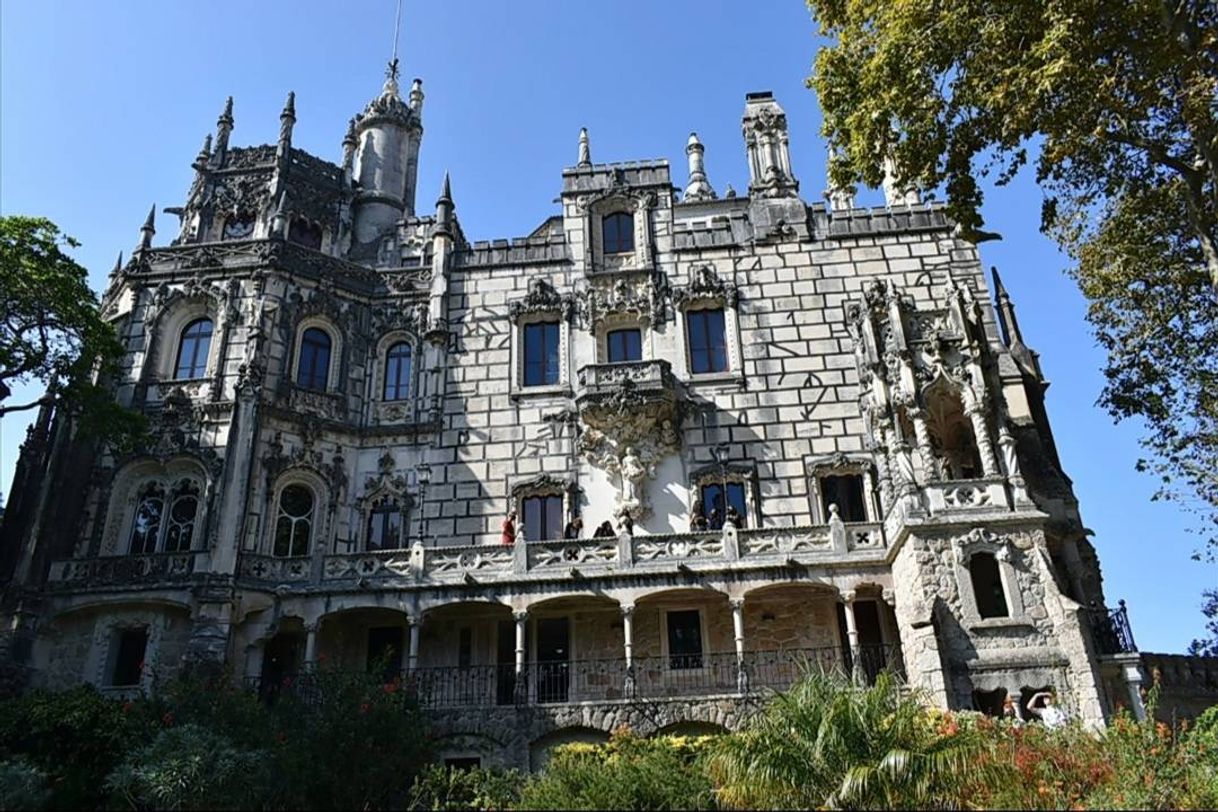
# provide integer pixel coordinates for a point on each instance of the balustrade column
(310, 652)
(522, 619)
(852, 634)
(628, 646)
(742, 677)
(412, 661)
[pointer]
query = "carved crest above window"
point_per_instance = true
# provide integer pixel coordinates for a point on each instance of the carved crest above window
(542, 298)
(637, 297)
(705, 284)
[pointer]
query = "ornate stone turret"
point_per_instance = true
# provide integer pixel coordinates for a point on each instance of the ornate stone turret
(765, 136)
(224, 128)
(699, 187)
(389, 133)
(585, 149)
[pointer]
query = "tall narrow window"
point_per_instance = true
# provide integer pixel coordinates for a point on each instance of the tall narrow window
(987, 586)
(715, 509)
(130, 645)
(543, 518)
(624, 345)
(192, 350)
(541, 353)
(313, 371)
(845, 491)
(149, 513)
(618, 231)
(386, 527)
(294, 524)
(180, 524)
(684, 640)
(707, 341)
(397, 371)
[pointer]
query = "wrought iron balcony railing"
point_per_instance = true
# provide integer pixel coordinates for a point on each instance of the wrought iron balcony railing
(1111, 631)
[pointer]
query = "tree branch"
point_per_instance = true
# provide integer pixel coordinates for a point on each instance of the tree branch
(26, 406)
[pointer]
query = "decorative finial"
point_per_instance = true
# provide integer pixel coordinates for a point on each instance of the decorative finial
(585, 149)
(224, 126)
(699, 187)
(148, 229)
(289, 107)
(118, 265)
(226, 117)
(446, 192)
(391, 77)
(416, 95)
(729, 192)
(204, 151)
(444, 207)
(286, 120)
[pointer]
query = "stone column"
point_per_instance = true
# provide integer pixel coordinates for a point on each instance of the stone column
(412, 661)
(742, 677)
(522, 619)
(628, 647)
(922, 438)
(254, 654)
(852, 634)
(310, 652)
(981, 433)
(1133, 682)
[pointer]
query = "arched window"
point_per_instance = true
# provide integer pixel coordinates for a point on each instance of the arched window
(238, 226)
(302, 232)
(149, 512)
(618, 232)
(294, 524)
(951, 435)
(387, 526)
(313, 370)
(192, 350)
(987, 586)
(397, 371)
(180, 523)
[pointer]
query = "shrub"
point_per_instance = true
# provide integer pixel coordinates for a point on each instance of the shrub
(191, 767)
(75, 737)
(628, 772)
(828, 743)
(22, 786)
(439, 787)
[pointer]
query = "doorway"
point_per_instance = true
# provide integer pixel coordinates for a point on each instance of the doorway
(553, 659)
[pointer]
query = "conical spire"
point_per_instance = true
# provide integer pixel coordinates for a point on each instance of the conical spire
(585, 148)
(148, 229)
(699, 187)
(118, 265)
(204, 152)
(287, 120)
(446, 191)
(1009, 325)
(224, 126)
(416, 96)
(444, 207)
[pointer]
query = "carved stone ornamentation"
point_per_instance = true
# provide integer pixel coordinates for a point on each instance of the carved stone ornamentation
(542, 298)
(705, 284)
(635, 296)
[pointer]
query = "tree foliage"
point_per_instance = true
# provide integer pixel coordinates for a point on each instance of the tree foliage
(51, 330)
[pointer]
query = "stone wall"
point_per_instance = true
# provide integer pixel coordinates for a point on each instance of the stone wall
(1187, 685)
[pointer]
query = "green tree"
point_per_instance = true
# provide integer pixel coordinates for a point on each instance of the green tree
(51, 330)
(827, 743)
(1208, 646)
(1116, 104)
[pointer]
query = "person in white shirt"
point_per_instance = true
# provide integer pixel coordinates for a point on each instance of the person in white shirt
(1045, 709)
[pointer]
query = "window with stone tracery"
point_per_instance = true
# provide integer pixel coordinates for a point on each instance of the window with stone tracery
(294, 522)
(146, 528)
(397, 371)
(238, 226)
(165, 521)
(951, 436)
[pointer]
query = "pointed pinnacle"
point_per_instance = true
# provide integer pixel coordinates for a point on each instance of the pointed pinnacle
(150, 223)
(289, 107)
(1000, 290)
(227, 115)
(446, 192)
(118, 263)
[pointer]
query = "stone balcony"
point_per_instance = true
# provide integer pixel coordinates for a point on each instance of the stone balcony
(606, 392)
(591, 558)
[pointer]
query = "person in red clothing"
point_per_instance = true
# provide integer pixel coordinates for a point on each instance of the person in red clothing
(508, 536)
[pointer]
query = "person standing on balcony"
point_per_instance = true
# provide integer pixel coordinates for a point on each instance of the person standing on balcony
(604, 530)
(1044, 708)
(734, 518)
(574, 528)
(508, 534)
(697, 518)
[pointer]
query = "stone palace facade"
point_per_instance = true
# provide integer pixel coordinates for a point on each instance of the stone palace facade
(793, 432)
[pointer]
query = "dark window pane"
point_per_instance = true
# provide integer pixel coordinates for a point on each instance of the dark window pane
(129, 657)
(541, 354)
(618, 231)
(543, 518)
(707, 344)
(182, 519)
(465, 647)
(735, 498)
(302, 232)
(845, 491)
(146, 526)
(397, 372)
(987, 586)
(625, 345)
(295, 521)
(192, 350)
(314, 368)
(684, 639)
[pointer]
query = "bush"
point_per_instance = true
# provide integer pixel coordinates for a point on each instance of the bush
(75, 737)
(439, 787)
(628, 772)
(22, 786)
(191, 767)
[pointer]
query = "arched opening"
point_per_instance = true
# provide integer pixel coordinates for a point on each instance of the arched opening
(238, 226)
(397, 372)
(193, 347)
(313, 369)
(951, 435)
(294, 521)
(303, 232)
(987, 585)
(617, 231)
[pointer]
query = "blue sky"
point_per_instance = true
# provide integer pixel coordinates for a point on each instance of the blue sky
(104, 105)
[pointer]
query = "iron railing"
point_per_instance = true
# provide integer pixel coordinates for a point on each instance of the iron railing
(607, 680)
(1111, 630)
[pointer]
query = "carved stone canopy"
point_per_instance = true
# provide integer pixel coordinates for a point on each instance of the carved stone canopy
(705, 284)
(542, 298)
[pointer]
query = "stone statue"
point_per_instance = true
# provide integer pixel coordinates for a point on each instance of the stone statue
(632, 474)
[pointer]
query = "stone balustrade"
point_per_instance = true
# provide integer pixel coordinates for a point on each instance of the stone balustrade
(967, 494)
(125, 570)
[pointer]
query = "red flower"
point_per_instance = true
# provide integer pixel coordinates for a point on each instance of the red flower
(167, 719)
(364, 707)
(127, 706)
(390, 687)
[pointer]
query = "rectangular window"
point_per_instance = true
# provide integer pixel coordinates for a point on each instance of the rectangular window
(845, 491)
(543, 518)
(715, 510)
(625, 345)
(541, 353)
(131, 645)
(684, 640)
(707, 341)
